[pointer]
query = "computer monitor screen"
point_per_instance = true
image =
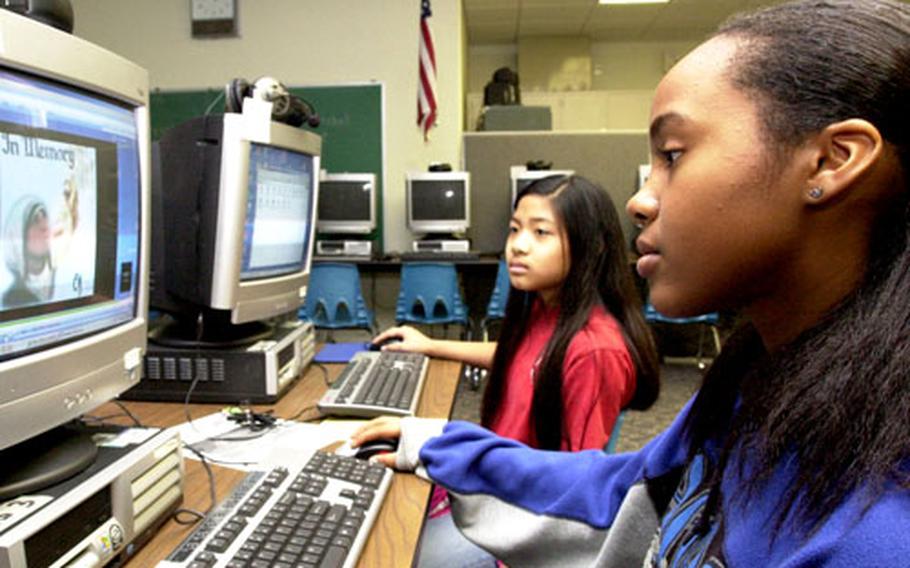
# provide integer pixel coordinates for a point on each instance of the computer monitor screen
(347, 203)
(69, 208)
(279, 204)
(439, 202)
(74, 148)
(234, 207)
(520, 177)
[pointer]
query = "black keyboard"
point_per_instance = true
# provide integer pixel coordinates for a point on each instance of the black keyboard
(376, 383)
(440, 255)
(318, 516)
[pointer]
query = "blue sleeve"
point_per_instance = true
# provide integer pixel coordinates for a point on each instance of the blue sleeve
(586, 486)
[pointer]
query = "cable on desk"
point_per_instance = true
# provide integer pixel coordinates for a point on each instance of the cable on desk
(89, 419)
(101, 420)
(325, 373)
(195, 515)
(303, 410)
(127, 412)
(189, 390)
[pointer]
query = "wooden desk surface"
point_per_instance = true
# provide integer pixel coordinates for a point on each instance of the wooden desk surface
(393, 539)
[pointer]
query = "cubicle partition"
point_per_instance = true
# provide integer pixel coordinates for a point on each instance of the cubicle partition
(609, 158)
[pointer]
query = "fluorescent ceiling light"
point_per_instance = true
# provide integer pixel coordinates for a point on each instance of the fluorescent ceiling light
(633, 1)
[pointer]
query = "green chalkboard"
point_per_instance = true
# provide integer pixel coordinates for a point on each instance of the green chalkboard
(351, 126)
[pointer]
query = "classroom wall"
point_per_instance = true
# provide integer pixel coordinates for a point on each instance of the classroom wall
(315, 42)
(623, 78)
(610, 159)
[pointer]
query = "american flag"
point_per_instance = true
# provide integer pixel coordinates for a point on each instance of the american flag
(426, 92)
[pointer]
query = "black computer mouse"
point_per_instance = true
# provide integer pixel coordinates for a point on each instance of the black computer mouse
(381, 344)
(378, 446)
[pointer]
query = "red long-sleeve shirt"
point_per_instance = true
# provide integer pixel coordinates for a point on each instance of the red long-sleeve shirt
(598, 380)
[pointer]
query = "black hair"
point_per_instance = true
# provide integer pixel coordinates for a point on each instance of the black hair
(837, 398)
(599, 274)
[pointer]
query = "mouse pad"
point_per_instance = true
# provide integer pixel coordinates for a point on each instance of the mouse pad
(340, 352)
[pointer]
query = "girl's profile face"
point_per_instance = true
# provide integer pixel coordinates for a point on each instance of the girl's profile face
(38, 234)
(718, 215)
(537, 252)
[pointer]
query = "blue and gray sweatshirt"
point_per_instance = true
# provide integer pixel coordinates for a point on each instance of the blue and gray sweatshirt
(542, 508)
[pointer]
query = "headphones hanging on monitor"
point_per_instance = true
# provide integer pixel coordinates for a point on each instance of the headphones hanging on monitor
(286, 107)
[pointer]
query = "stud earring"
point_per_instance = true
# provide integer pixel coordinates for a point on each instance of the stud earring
(816, 192)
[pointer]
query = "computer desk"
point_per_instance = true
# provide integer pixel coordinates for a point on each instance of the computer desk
(395, 536)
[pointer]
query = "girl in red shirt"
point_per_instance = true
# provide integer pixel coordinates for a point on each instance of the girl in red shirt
(574, 349)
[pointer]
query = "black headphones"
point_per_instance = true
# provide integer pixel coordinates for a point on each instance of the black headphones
(286, 107)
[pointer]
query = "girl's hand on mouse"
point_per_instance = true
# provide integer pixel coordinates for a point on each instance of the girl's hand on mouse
(381, 427)
(409, 338)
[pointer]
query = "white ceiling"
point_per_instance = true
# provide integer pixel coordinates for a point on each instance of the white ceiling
(504, 21)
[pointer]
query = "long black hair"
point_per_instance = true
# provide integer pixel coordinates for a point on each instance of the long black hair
(837, 398)
(599, 273)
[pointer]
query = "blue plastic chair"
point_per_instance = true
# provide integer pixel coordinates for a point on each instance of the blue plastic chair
(496, 311)
(610, 447)
(704, 321)
(430, 294)
(334, 299)
(496, 307)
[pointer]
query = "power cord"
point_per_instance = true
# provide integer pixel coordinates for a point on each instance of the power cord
(325, 373)
(127, 412)
(196, 516)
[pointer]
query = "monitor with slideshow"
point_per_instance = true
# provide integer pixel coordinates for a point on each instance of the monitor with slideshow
(521, 177)
(74, 129)
(234, 205)
(439, 202)
(347, 203)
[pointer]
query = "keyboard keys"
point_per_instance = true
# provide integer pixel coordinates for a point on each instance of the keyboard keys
(375, 383)
(316, 516)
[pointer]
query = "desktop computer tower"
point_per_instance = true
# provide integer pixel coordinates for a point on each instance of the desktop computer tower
(330, 247)
(260, 372)
(103, 514)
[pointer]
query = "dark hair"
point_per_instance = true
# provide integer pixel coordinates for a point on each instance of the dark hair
(837, 398)
(599, 273)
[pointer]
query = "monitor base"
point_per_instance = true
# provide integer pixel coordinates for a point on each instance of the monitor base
(44, 461)
(214, 331)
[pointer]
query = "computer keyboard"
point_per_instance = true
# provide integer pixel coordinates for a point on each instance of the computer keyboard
(317, 515)
(375, 383)
(440, 255)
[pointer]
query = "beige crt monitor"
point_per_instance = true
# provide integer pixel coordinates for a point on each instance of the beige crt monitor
(74, 124)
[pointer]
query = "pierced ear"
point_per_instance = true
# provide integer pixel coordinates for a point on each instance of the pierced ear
(846, 151)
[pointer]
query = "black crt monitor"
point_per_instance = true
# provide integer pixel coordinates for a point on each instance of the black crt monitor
(439, 202)
(521, 177)
(74, 172)
(234, 205)
(347, 203)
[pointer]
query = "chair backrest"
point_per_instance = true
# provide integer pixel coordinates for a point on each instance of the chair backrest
(610, 448)
(334, 299)
(653, 316)
(496, 308)
(430, 294)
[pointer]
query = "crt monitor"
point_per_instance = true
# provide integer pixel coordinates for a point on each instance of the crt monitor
(347, 203)
(234, 205)
(74, 130)
(439, 202)
(521, 177)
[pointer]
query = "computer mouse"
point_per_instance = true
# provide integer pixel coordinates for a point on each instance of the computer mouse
(383, 343)
(378, 446)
